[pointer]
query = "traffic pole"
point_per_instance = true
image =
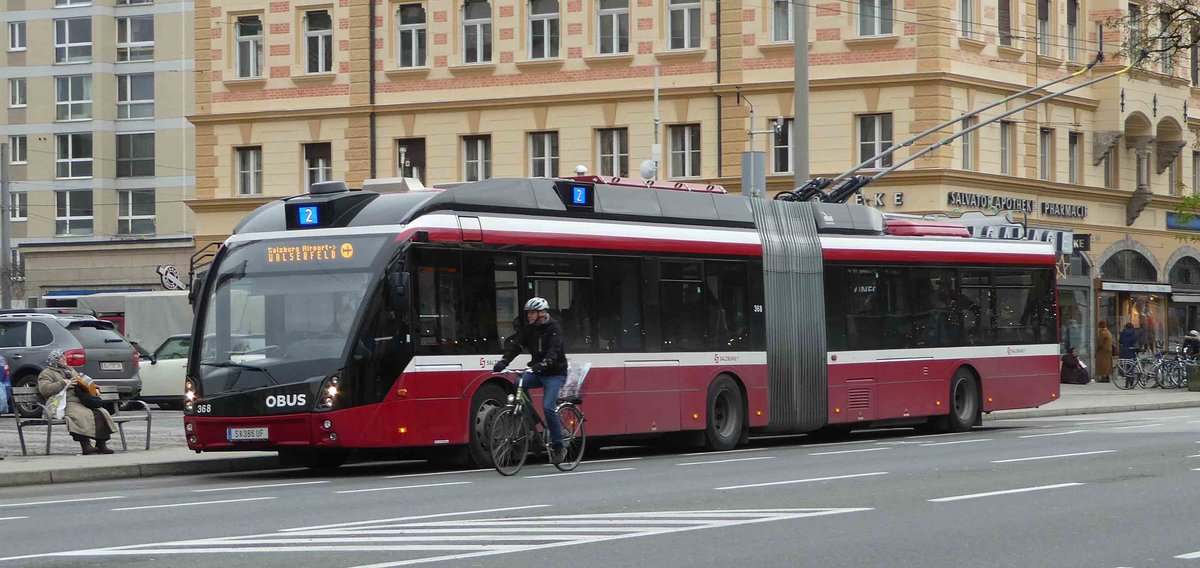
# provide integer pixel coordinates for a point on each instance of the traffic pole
(800, 95)
(6, 259)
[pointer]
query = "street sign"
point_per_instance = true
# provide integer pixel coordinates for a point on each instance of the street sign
(169, 277)
(1082, 243)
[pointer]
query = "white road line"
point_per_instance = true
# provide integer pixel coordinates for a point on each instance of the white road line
(729, 460)
(1168, 417)
(1005, 492)
(615, 460)
(934, 435)
(827, 444)
(1193, 421)
(264, 486)
(401, 476)
(1055, 456)
(1138, 426)
(957, 442)
(836, 452)
(725, 452)
(195, 503)
(580, 472)
(1054, 434)
(399, 487)
(62, 501)
(12, 518)
(415, 518)
(810, 480)
(1191, 556)
(1098, 422)
(1195, 456)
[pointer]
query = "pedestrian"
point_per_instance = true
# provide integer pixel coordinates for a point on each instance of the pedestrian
(1073, 371)
(1105, 351)
(1191, 343)
(87, 422)
(1128, 341)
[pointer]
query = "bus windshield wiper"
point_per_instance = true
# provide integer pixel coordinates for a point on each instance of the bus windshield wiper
(236, 365)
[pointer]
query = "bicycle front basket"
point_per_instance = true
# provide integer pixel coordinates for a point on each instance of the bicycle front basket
(576, 373)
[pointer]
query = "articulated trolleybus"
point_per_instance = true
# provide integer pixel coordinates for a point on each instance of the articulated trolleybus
(358, 320)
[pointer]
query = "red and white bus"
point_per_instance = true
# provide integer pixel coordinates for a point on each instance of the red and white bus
(342, 320)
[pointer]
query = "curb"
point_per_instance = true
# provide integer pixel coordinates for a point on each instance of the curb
(223, 465)
(1043, 412)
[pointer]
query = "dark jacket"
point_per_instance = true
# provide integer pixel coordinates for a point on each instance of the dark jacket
(1128, 341)
(1191, 345)
(544, 341)
(1072, 372)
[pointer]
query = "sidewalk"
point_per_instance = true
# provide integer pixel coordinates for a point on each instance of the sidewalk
(168, 454)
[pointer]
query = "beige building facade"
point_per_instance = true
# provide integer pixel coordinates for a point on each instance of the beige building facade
(97, 94)
(287, 94)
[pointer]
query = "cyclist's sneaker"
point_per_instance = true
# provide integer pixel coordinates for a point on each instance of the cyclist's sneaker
(558, 454)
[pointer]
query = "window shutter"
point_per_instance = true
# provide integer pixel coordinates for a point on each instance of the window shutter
(1072, 12)
(1043, 9)
(1005, 25)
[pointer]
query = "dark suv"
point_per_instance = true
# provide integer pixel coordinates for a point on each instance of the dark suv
(92, 346)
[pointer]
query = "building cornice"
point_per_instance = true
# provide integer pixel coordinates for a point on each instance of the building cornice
(229, 204)
(646, 93)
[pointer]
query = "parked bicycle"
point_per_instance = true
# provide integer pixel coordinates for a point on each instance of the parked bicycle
(515, 427)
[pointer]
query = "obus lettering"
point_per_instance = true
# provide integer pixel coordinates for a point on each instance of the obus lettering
(282, 400)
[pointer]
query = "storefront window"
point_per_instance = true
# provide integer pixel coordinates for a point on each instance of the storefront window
(1146, 311)
(1074, 323)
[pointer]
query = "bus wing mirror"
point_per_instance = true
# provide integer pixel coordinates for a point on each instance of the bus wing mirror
(194, 289)
(400, 282)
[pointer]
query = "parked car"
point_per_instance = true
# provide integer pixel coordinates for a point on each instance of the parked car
(163, 372)
(91, 345)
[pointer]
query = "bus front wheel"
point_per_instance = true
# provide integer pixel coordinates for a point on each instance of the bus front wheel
(726, 415)
(486, 400)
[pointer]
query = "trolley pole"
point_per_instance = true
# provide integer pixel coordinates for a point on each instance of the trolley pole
(6, 259)
(800, 94)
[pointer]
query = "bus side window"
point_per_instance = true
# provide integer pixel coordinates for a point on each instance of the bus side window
(977, 311)
(683, 319)
(439, 293)
(728, 305)
(618, 304)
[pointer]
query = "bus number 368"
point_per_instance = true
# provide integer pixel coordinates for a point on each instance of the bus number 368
(203, 408)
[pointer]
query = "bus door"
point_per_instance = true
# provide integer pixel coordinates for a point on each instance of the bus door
(652, 395)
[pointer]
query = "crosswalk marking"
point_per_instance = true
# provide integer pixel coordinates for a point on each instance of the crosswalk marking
(430, 539)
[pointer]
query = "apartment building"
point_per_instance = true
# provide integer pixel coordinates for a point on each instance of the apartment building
(290, 93)
(101, 153)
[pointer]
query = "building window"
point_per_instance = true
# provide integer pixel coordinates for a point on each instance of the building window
(875, 136)
(966, 17)
(685, 24)
(73, 40)
(543, 29)
(1072, 30)
(781, 20)
(1008, 141)
(1112, 169)
(543, 154)
(477, 164)
(135, 96)
(318, 41)
(318, 162)
(1046, 154)
(16, 36)
(249, 47)
(1165, 43)
(614, 152)
(19, 206)
(18, 152)
(135, 155)
(412, 30)
(782, 148)
(1195, 173)
(135, 38)
(73, 97)
(613, 22)
(1004, 22)
(874, 17)
(477, 32)
(70, 3)
(16, 93)
(969, 144)
(134, 2)
(74, 156)
(1133, 29)
(135, 212)
(1043, 27)
(1173, 181)
(685, 150)
(410, 158)
(73, 212)
(1075, 160)
(249, 164)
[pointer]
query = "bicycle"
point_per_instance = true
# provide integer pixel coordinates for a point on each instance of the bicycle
(512, 429)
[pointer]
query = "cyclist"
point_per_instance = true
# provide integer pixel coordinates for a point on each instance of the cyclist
(542, 337)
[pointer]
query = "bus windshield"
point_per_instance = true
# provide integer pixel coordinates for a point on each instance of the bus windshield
(284, 311)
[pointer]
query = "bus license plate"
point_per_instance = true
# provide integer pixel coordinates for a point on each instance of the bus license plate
(112, 366)
(246, 434)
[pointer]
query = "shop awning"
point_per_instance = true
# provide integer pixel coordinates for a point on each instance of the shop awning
(1186, 298)
(1135, 287)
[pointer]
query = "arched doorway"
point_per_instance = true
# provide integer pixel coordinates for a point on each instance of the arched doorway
(1131, 294)
(1184, 275)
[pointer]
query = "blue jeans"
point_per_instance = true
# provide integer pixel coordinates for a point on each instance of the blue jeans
(550, 385)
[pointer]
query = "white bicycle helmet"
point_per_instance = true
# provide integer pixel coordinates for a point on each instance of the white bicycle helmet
(536, 304)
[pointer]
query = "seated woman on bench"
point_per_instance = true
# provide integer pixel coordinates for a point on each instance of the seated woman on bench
(85, 424)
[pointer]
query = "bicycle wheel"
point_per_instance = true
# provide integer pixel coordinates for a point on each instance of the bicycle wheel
(1124, 378)
(509, 441)
(573, 436)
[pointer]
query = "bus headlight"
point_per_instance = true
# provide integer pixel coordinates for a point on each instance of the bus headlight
(189, 392)
(328, 393)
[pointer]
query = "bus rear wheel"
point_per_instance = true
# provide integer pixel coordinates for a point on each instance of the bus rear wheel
(964, 403)
(487, 400)
(726, 415)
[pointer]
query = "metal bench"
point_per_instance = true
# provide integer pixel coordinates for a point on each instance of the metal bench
(117, 396)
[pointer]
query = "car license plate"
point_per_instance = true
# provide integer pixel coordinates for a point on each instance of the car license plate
(118, 366)
(246, 434)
